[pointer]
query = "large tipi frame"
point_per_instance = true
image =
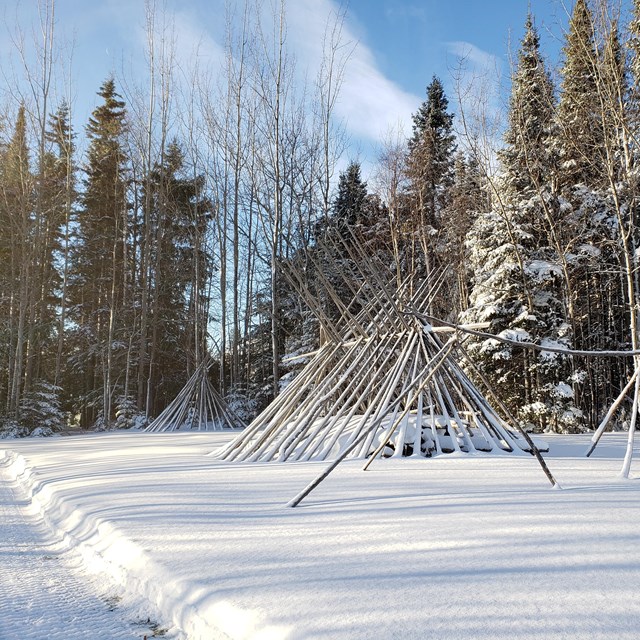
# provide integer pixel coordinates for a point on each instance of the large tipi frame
(385, 381)
(197, 407)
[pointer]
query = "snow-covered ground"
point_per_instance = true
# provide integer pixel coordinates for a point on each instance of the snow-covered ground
(448, 548)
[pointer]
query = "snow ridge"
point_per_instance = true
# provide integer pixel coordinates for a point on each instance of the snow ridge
(105, 550)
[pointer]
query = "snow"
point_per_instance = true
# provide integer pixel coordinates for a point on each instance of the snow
(515, 335)
(542, 270)
(44, 590)
(549, 343)
(450, 547)
(563, 390)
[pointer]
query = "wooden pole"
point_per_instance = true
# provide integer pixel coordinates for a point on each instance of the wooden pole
(431, 369)
(347, 450)
(534, 450)
(626, 465)
(612, 409)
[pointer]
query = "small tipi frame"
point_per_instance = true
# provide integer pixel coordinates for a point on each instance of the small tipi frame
(198, 407)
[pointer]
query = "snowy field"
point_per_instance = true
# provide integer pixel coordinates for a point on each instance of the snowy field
(127, 535)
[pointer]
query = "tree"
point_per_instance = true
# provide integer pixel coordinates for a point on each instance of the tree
(468, 201)
(16, 208)
(526, 157)
(431, 151)
(348, 203)
(98, 285)
(579, 124)
(517, 264)
(429, 171)
(333, 238)
(62, 137)
(181, 266)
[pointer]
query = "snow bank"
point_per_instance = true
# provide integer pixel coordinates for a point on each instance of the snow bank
(442, 548)
(106, 550)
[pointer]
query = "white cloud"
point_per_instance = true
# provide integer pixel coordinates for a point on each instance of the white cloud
(477, 80)
(369, 102)
(476, 58)
(191, 39)
(406, 11)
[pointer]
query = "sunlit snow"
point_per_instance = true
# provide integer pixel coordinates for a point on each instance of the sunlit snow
(448, 547)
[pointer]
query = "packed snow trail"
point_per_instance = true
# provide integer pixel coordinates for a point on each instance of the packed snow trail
(43, 595)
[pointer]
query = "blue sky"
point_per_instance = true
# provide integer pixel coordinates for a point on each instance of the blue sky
(401, 45)
(414, 39)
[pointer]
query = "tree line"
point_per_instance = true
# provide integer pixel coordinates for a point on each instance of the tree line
(123, 266)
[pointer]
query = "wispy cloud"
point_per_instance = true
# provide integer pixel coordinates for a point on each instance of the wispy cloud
(477, 79)
(369, 103)
(398, 10)
(475, 58)
(191, 39)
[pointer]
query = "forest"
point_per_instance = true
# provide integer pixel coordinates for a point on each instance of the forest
(162, 231)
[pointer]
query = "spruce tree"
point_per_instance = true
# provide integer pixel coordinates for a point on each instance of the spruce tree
(526, 157)
(178, 256)
(468, 201)
(334, 237)
(590, 143)
(16, 218)
(64, 199)
(580, 133)
(97, 288)
(517, 272)
(633, 46)
(430, 158)
(56, 196)
(348, 204)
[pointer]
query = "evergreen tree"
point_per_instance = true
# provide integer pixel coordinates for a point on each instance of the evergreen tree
(517, 272)
(98, 285)
(180, 268)
(349, 201)
(430, 158)
(63, 203)
(56, 196)
(592, 150)
(526, 157)
(580, 133)
(16, 218)
(334, 239)
(633, 46)
(41, 409)
(614, 108)
(468, 201)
